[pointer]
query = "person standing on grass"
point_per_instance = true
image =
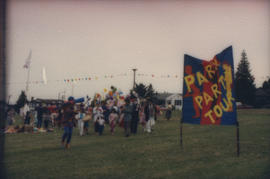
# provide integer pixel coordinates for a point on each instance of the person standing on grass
(149, 116)
(40, 111)
(97, 111)
(106, 111)
(27, 118)
(113, 119)
(128, 109)
(79, 118)
(101, 124)
(142, 115)
(157, 112)
(168, 113)
(59, 117)
(121, 117)
(68, 122)
(86, 119)
(135, 116)
(46, 117)
(10, 117)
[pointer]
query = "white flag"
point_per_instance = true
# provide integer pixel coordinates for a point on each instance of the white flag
(44, 77)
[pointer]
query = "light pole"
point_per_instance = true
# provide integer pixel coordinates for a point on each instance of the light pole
(134, 76)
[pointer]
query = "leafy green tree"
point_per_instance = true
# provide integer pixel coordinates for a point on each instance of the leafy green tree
(144, 91)
(244, 82)
(140, 89)
(21, 101)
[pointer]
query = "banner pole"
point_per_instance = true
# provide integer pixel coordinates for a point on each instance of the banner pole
(237, 139)
(181, 131)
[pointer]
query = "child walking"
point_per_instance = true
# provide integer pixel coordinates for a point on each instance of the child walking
(112, 120)
(101, 123)
(97, 111)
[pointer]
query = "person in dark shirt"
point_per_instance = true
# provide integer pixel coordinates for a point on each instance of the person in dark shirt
(27, 118)
(127, 116)
(106, 112)
(68, 123)
(59, 118)
(46, 117)
(40, 112)
(135, 116)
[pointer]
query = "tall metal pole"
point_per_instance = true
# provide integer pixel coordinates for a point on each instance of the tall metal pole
(237, 139)
(27, 82)
(134, 77)
(181, 132)
(28, 66)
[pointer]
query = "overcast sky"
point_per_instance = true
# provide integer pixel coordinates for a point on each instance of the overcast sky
(74, 39)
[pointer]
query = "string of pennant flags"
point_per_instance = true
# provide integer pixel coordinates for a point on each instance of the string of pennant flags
(99, 77)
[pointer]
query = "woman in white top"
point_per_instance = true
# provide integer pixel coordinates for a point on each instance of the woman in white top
(80, 117)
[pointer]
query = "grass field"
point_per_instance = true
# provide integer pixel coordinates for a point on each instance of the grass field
(208, 152)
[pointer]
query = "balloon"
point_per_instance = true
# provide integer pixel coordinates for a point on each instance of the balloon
(110, 93)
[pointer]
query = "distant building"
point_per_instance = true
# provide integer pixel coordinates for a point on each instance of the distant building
(47, 102)
(175, 99)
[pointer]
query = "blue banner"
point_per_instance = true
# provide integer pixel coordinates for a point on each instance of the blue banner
(208, 90)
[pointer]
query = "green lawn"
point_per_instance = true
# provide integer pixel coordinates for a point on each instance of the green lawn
(208, 152)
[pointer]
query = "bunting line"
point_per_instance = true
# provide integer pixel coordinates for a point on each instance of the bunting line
(100, 77)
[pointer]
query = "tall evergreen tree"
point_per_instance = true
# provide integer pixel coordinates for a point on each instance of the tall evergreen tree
(266, 84)
(244, 82)
(21, 100)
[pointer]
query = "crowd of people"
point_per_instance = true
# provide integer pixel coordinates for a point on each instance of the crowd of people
(127, 114)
